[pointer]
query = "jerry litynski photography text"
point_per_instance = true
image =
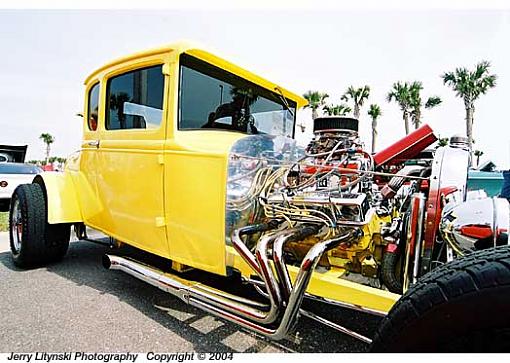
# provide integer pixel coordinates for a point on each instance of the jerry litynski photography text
(113, 357)
(50, 357)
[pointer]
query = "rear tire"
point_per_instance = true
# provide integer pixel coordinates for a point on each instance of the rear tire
(462, 306)
(33, 241)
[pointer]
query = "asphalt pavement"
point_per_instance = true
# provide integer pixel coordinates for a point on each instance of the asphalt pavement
(77, 305)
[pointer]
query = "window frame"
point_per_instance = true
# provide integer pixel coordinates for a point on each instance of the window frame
(123, 71)
(87, 115)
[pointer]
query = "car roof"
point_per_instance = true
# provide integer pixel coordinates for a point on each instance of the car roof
(18, 168)
(199, 52)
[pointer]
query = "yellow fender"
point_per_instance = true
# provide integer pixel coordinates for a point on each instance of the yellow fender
(61, 197)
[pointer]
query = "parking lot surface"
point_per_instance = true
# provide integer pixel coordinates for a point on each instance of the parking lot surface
(77, 305)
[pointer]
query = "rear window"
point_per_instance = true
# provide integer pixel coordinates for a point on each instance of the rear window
(11, 168)
(135, 99)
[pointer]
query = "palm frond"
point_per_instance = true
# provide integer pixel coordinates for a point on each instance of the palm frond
(374, 111)
(315, 99)
(358, 95)
(364, 93)
(337, 110)
(400, 93)
(470, 85)
(481, 69)
(442, 141)
(449, 78)
(433, 101)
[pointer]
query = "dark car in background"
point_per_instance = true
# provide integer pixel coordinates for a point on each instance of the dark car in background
(13, 153)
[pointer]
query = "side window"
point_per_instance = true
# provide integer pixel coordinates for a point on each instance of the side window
(135, 99)
(92, 109)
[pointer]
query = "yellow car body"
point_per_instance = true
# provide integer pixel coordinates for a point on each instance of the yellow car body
(163, 190)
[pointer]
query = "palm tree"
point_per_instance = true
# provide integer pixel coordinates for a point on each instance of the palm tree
(442, 141)
(48, 140)
(315, 100)
(358, 96)
(416, 103)
(469, 85)
(401, 94)
(336, 110)
(478, 153)
(374, 112)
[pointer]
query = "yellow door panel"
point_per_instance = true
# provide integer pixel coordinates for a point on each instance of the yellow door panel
(130, 186)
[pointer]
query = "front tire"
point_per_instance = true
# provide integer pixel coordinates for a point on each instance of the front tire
(462, 306)
(33, 241)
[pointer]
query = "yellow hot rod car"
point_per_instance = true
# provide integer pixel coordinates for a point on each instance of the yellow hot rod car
(192, 159)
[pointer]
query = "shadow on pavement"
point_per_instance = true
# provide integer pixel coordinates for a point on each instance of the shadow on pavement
(82, 265)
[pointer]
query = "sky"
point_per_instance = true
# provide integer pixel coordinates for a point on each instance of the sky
(47, 54)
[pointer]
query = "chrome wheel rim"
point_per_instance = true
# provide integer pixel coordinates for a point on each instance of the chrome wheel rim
(16, 226)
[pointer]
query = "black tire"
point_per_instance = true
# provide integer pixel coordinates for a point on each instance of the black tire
(462, 306)
(389, 276)
(40, 242)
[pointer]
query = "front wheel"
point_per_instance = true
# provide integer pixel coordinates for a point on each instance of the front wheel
(462, 306)
(33, 241)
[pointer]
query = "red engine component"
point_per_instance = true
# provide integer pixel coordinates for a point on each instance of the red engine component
(477, 231)
(406, 148)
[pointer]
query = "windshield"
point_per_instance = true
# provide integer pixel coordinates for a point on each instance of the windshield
(211, 98)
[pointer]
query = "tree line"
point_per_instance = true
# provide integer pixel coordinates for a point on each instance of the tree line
(468, 85)
(48, 139)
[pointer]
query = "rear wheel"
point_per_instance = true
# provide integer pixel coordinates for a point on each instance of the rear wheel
(461, 306)
(33, 241)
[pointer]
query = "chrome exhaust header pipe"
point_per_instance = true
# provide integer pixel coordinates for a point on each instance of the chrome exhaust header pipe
(296, 296)
(299, 233)
(179, 288)
(275, 291)
(260, 266)
(241, 311)
(146, 274)
(257, 312)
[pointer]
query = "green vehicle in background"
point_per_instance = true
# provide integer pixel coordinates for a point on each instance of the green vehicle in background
(490, 181)
(485, 177)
